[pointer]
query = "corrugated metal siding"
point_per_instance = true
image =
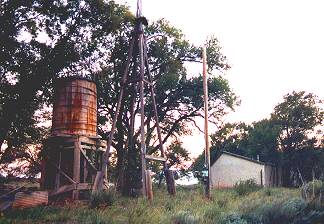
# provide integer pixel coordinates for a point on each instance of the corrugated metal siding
(32, 199)
(75, 108)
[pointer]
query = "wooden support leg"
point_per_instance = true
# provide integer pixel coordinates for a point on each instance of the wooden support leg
(76, 167)
(57, 177)
(170, 178)
(149, 191)
(43, 169)
(85, 170)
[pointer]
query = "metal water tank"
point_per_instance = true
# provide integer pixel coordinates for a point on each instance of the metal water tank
(75, 107)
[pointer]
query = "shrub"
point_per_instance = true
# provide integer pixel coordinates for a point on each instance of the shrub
(246, 186)
(212, 213)
(277, 211)
(267, 192)
(184, 217)
(313, 190)
(233, 218)
(102, 198)
(222, 203)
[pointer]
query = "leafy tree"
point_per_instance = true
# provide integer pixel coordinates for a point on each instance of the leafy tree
(41, 40)
(231, 137)
(262, 141)
(298, 116)
(177, 155)
(179, 97)
(288, 139)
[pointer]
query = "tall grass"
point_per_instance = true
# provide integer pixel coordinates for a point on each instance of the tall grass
(188, 206)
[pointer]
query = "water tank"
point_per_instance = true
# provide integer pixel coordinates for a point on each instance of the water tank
(75, 107)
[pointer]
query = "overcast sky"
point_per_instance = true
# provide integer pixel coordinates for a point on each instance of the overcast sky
(273, 46)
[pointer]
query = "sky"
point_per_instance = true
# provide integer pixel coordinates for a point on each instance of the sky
(273, 47)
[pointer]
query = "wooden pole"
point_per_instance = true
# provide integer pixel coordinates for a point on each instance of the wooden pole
(76, 166)
(98, 185)
(149, 185)
(171, 186)
(207, 154)
(141, 86)
(156, 117)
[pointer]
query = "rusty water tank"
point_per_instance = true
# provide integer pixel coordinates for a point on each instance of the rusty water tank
(75, 107)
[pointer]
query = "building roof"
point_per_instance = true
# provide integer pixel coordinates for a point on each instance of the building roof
(245, 158)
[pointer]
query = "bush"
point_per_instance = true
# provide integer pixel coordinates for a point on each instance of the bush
(233, 218)
(222, 203)
(102, 198)
(277, 211)
(313, 190)
(184, 217)
(246, 186)
(212, 213)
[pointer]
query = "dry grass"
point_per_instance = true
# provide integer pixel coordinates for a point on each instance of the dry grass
(188, 206)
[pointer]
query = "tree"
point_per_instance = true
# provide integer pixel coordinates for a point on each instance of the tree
(41, 40)
(262, 141)
(179, 98)
(230, 137)
(288, 139)
(298, 116)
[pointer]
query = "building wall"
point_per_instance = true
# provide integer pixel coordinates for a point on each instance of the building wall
(228, 170)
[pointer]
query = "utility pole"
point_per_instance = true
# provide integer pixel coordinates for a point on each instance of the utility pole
(207, 153)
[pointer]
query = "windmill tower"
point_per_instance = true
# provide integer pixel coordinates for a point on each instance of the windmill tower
(137, 50)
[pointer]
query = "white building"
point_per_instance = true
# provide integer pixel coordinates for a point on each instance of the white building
(230, 168)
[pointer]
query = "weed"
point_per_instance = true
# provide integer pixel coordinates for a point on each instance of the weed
(246, 186)
(102, 198)
(222, 202)
(184, 217)
(233, 218)
(212, 214)
(313, 190)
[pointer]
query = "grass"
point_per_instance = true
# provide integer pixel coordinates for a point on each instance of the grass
(188, 206)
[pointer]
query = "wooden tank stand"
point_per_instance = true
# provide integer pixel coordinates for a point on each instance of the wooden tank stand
(71, 163)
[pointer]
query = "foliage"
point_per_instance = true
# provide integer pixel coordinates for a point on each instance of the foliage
(184, 217)
(189, 202)
(229, 137)
(245, 187)
(102, 198)
(179, 97)
(262, 141)
(40, 41)
(292, 139)
(298, 116)
(212, 213)
(176, 154)
(313, 190)
(233, 218)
